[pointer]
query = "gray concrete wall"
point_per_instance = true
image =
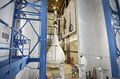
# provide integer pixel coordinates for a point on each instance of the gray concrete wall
(92, 35)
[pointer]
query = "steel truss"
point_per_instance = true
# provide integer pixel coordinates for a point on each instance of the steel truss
(18, 40)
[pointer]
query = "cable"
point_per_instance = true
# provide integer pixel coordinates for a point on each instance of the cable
(7, 4)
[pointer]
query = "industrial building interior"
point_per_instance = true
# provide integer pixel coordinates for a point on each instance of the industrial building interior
(59, 39)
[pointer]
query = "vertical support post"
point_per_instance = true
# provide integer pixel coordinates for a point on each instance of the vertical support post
(80, 71)
(118, 9)
(42, 71)
(117, 5)
(62, 74)
(111, 39)
(12, 41)
(101, 74)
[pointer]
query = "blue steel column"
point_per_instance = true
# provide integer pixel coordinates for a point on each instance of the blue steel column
(12, 41)
(117, 5)
(42, 71)
(111, 40)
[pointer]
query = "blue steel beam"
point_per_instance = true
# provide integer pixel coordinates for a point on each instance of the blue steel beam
(12, 41)
(42, 71)
(13, 68)
(33, 60)
(29, 4)
(6, 25)
(117, 5)
(28, 19)
(33, 47)
(5, 48)
(27, 13)
(116, 12)
(111, 40)
(17, 64)
(17, 32)
(34, 29)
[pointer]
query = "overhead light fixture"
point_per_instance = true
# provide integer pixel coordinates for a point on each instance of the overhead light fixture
(54, 7)
(56, 0)
(99, 68)
(99, 57)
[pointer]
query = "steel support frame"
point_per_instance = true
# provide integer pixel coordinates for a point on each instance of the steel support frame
(9, 71)
(111, 40)
(16, 66)
(42, 71)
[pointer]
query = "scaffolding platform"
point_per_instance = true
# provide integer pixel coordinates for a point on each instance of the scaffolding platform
(14, 67)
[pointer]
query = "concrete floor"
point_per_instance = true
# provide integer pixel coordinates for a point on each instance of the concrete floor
(56, 72)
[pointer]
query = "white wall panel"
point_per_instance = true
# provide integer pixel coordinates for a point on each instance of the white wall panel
(92, 34)
(6, 14)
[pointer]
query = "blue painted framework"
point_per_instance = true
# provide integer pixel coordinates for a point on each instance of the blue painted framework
(43, 40)
(9, 68)
(112, 34)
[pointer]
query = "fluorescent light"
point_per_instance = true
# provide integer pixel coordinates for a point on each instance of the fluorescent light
(54, 7)
(99, 58)
(100, 69)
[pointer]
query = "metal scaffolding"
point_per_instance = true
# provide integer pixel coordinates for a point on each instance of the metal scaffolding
(112, 19)
(9, 68)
